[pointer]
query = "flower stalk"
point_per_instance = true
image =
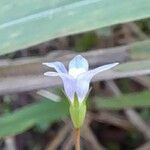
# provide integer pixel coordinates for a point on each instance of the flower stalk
(77, 139)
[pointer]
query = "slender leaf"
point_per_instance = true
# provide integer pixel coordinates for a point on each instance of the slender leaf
(29, 22)
(138, 100)
(143, 65)
(22, 119)
(36, 80)
(48, 111)
(140, 50)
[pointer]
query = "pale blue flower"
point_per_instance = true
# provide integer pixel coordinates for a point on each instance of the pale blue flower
(77, 79)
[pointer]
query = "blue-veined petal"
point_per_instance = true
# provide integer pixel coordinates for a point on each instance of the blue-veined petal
(78, 65)
(83, 80)
(58, 66)
(68, 82)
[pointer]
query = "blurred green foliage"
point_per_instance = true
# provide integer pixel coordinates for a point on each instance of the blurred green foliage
(135, 100)
(45, 111)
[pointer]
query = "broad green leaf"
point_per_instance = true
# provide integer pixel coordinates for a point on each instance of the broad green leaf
(29, 22)
(138, 100)
(28, 116)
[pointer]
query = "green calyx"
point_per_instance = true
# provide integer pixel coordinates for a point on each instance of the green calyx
(77, 112)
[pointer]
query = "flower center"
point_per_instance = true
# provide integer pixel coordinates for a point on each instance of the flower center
(76, 71)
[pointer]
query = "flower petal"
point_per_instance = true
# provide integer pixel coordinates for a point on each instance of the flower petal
(58, 66)
(69, 87)
(91, 73)
(78, 65)
(83, 80)
(82, 88)
(68, 82)
(54, 74)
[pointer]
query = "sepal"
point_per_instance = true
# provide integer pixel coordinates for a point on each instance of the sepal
(77, 112)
